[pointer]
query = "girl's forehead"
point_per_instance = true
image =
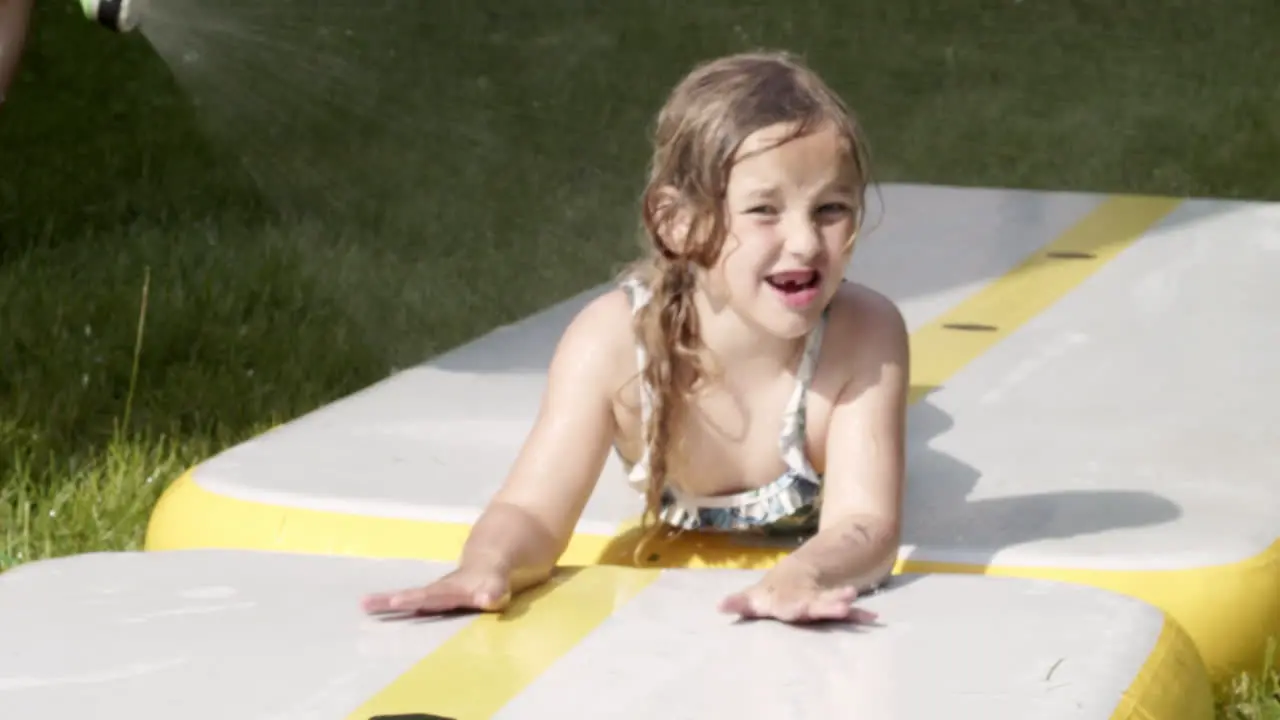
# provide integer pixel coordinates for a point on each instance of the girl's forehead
(770, 160)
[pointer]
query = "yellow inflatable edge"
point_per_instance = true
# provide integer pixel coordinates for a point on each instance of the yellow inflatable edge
(1229, 638)
(1172, 682)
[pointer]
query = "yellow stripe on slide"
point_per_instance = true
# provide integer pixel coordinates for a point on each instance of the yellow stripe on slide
(491, 660)
(488, 662)
(944, 346)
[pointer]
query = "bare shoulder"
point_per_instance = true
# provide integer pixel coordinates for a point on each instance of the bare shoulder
(867, 333)
(598, 344)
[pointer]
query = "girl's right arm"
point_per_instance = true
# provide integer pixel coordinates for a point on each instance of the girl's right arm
(528, 523)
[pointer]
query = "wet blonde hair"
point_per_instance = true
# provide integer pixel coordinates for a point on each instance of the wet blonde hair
(697, 136)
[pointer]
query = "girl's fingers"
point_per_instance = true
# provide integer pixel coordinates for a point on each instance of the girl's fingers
(455, 591)
(837, 604)
(828, 609)
(429, 599)
(863, 616)
(438, 599)
(831, 604)
(737, 604)
(377, 604)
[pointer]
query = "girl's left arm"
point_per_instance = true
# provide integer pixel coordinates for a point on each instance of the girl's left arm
(861, 523)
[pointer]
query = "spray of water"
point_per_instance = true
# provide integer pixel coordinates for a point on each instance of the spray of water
(307, 94)
(447, 157)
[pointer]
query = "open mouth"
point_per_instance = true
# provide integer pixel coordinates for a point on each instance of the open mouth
(794, 282)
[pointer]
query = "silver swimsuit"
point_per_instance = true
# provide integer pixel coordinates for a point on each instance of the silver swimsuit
(789, 505)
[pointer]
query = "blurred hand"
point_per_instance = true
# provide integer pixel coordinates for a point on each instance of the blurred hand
(791, 598)
(462, 589)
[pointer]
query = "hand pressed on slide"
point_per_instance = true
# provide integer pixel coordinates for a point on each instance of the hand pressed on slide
(794, 600)
(462, 589)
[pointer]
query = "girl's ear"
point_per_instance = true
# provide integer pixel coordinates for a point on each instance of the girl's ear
(675, 217)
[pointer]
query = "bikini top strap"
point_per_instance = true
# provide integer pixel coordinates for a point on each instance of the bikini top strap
(640, 294)
(792, 441)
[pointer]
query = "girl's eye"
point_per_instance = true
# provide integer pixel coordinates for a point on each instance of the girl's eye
(826, 211)
(833, 212)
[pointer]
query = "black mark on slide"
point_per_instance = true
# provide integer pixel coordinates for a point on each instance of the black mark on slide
(410, 716)
(971, 327)
(1072, 255)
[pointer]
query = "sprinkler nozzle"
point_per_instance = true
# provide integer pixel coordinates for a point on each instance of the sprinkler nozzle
(116, 15)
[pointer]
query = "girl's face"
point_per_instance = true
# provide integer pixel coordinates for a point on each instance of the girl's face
(791, 216)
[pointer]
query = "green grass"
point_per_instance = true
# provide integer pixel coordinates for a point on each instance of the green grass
(500, 176)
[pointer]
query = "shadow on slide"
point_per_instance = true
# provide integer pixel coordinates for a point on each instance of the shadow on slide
(941, 520)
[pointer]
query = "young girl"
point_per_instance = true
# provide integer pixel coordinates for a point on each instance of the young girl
(746, 385)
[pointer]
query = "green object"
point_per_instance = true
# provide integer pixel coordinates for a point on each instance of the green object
(117, 15)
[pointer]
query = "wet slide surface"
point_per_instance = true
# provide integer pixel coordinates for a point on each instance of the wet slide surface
(1090, 404)
(210, 635)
